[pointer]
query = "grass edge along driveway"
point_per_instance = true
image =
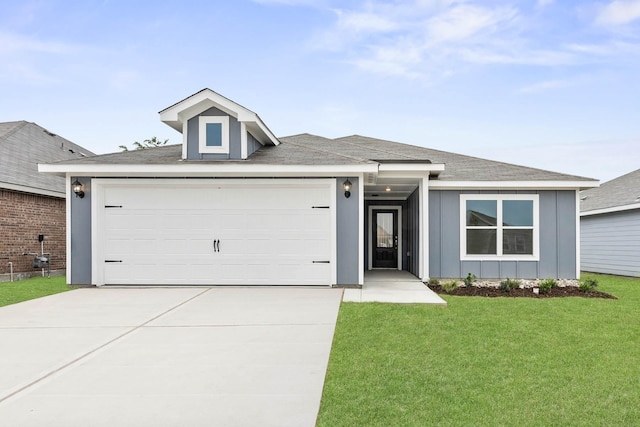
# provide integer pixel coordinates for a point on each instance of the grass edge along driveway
(35, 287)
(488, 361)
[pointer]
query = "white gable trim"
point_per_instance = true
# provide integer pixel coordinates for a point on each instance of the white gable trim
(243, 141)
(197, 103)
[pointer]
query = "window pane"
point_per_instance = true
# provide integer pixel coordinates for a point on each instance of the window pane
(517, 213)
(384, 230)
(482, 212)
(214, 134)
(481, 242)
(517, 242)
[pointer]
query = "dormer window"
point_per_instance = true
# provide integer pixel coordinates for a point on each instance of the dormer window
(214, 134)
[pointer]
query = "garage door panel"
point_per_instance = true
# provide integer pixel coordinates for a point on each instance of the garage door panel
(268, 234)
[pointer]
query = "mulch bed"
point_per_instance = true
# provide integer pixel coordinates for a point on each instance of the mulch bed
(476, 291)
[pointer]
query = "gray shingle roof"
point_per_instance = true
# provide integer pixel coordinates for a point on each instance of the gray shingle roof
(621, 191)
(22, 146)
(458, 167)
(306, 149)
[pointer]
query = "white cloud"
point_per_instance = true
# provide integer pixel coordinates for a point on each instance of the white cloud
(544, 86)
(619, 12)
(429, 39)
(365, 22)
(464, 21)
(10, 43)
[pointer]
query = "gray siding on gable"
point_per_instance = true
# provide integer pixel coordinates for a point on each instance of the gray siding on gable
(80, 245)
(347, 219)
(610, 243)
(252, 144)
(193, 131)
(557, 239)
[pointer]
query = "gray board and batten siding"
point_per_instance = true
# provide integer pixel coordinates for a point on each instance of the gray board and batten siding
(80, 244)
(235, 149)
(347, 219)
(557, 239)
(347, 216)
(610, 243)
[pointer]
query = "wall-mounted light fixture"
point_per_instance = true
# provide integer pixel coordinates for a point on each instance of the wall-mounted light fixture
(347, 188)
(76, 186)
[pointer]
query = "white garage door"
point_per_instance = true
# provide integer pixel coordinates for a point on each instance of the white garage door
(196, 233)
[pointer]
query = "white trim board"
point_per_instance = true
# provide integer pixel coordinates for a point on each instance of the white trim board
(370, 236)
(209, 169)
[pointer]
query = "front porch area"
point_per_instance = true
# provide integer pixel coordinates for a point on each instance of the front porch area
(392, 286)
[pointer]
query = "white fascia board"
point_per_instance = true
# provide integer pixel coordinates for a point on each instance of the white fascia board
(260, 131)
(611, 209)
(528, 185)
(32, 190)
(411, 167)
(188, 170)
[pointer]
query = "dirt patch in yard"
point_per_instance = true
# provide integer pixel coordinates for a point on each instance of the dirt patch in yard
(477, 291)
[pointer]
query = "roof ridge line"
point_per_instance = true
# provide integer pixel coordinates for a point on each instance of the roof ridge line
(22, 124)
(377, 149)
(346, 156)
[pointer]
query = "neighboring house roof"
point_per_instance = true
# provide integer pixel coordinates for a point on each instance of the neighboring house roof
(622, 193)
(306, 149)
(22, 146)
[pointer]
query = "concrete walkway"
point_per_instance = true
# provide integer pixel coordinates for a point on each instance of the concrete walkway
(167, 357)
(392, 286)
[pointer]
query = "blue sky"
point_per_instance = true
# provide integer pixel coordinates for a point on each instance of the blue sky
(545, 83)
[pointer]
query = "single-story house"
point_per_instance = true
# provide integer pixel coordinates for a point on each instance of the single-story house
(610, 226)
(234, 204)
(31, 203)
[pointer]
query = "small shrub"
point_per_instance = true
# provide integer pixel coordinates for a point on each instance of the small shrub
(450, 286)
(509, 284)
(588, 284)
(468, 281)
(434, 282)
(546, 285)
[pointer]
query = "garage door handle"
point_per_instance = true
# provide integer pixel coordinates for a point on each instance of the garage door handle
(112, 260)
(216, 246)
(321, 262)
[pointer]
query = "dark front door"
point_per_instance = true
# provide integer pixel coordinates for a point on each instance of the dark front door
(385, 239)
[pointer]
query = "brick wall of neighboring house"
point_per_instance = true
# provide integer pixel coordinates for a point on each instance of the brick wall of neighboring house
(22, 217)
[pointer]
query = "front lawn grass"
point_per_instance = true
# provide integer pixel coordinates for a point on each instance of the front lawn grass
(36, 287)
(488, 361)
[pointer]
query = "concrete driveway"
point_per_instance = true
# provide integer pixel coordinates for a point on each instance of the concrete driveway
(167, 357)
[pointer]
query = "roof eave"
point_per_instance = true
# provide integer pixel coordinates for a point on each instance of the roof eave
(205, 169)
(612, 209)
(515, 185)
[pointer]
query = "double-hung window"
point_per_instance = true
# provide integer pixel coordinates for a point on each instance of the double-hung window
(499, 226)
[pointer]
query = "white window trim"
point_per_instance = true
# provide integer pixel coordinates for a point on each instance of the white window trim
(203, 121)
(499, 198)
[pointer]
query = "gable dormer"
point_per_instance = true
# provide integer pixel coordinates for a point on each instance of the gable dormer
(216, 128)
